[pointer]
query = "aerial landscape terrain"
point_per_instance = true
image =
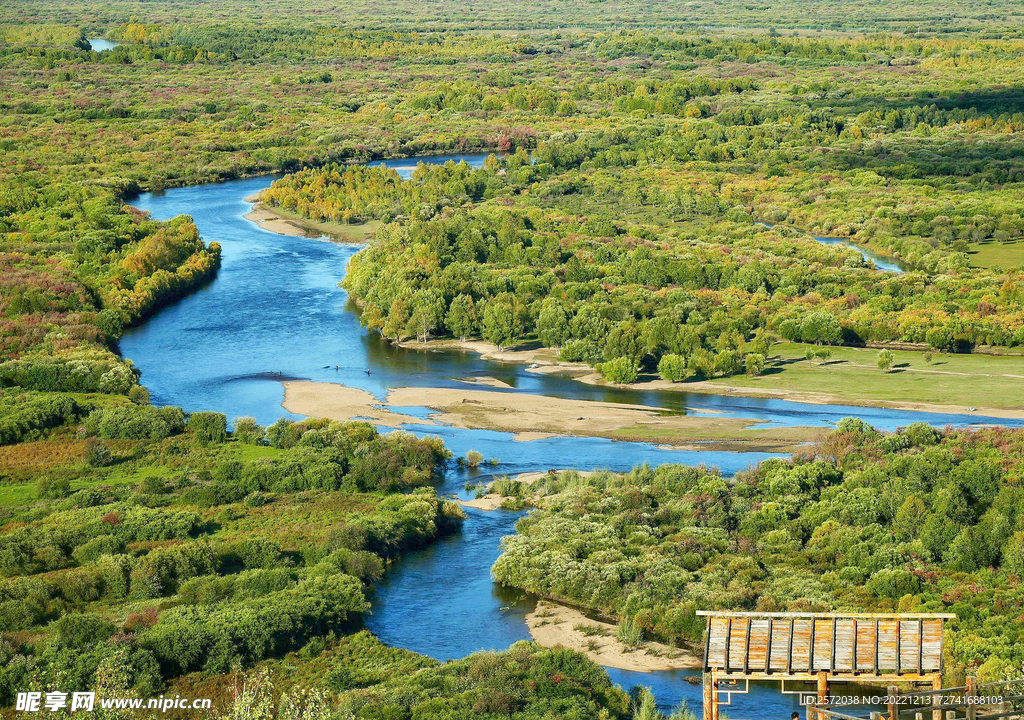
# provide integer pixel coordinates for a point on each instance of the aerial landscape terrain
(424, 360)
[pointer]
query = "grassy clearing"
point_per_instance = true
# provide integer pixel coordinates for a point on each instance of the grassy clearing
(995, 255)
(851, 374)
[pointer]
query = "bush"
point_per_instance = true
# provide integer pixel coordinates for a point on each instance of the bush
(53, 488)
(256, 499)
(629, 633)
(139, 395)
(885, 360)
(24, 416)
(97, 454)
(248, 431)
(135, 422)
(208, 427)
(215, 639)
(78, 630)
(621, 370)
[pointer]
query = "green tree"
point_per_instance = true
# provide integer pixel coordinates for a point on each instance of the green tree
(821, 328)
(553, 324)
(885, 360)
(503, 324)
(620, 370)
(754, 363)
(673, 368)
(462, 320)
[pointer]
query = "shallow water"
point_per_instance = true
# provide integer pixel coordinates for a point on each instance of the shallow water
(99, 44)
(275, 311)
(881, 262)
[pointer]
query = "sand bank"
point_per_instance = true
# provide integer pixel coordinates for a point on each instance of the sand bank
(522, 413)
(338, 402)
(284, 223)
(543, 360)
(553, 625)
(486, 381)
(809, 397)
(530, 416)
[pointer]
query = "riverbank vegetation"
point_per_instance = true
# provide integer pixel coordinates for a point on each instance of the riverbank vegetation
(660, 171)
(681, 225)
(150, 545)
(914, 521)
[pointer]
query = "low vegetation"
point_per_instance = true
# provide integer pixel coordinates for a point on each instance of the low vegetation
(914, 521)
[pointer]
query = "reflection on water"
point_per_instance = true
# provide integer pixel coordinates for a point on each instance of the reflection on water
(275, 311)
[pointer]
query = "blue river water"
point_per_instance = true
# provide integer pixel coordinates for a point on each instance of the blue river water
(275, 311)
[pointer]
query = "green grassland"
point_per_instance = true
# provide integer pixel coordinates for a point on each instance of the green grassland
(1003, 255)
(852, 375)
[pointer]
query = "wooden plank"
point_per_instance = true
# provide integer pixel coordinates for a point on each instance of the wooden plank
(845, 632)
(931, 657)
(728, 643)
(768, 646)
(707, 644)
(887, 645)
(832, 648)
(823, 644)
(757, 653)
(802, 629)
(909, 642)
(717, 642)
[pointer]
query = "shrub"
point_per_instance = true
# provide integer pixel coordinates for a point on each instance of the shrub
(79, 630)
(621, 370)
(97, 454)
(53, 488)
(754, 363)
(135, 422)
(473, 458)
(256, 499)
(629, 633)
(24, 416)
(885, 360)
(139, 395)
(248, 431)
(208, 427)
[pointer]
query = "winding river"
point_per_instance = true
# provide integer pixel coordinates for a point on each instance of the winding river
(275, 311)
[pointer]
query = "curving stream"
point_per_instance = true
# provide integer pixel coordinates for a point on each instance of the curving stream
(275, 311)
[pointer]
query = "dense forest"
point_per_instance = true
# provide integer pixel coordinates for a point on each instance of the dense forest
(914, 521)
(149, 546)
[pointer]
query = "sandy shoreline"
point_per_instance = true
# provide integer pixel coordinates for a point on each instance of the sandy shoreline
(338, 402)
(275, 221)
(553, 625)
(529, 417)
(545, 360)
(518, 413)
